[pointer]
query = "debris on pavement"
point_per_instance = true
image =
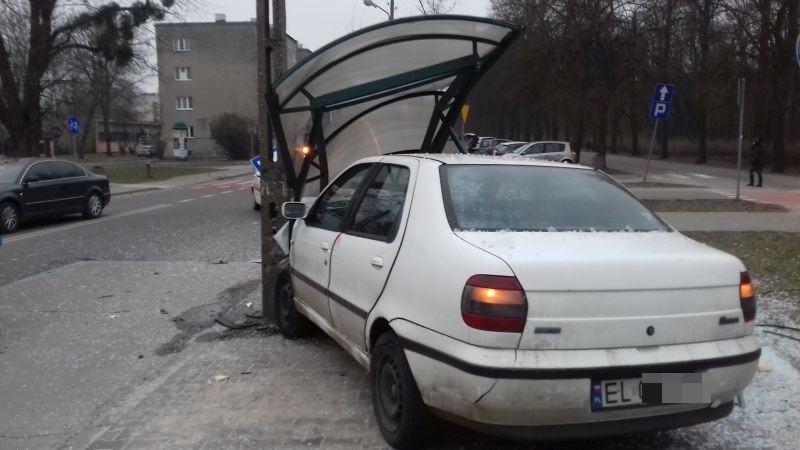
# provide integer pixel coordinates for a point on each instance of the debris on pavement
(235, 325)
(113, 316)
(249, 304)
(163, 311)
(105, 296)
(220, 378)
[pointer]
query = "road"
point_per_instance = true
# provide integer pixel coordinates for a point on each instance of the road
(204, 222)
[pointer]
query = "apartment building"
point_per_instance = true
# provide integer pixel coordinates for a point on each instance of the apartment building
(206, 69)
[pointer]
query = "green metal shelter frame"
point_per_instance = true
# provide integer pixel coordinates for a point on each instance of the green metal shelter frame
(417, 71)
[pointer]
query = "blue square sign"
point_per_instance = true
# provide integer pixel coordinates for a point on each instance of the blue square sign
(659, 110)
(663, 93)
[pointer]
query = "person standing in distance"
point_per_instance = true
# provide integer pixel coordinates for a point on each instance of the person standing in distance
(756, 162)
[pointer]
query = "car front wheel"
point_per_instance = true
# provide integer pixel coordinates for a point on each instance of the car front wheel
(256, 206)
(402, 417)
(93, 207)
(290, 322)
(9, 217)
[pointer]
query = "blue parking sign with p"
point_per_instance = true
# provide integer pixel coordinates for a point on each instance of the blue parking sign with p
(662, 97)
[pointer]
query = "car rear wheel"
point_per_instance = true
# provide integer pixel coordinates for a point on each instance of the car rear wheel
(93, 207)
(9, 217)
(290, 322)
(402, 417)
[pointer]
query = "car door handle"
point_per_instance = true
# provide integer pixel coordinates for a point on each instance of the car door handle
(325, 246)
(376, 262)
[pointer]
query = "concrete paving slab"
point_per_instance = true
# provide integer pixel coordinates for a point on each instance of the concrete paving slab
(733, 221)
(76, 339)
(676, 194)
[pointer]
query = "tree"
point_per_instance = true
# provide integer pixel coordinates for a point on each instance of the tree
(432, 7)
(34, 34)
(229, 131)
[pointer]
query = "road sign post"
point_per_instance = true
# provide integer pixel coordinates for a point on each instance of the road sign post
(740, 103)
(659, 110)
(55, 133)
(74, 126)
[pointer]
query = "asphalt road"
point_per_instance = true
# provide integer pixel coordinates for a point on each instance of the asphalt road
(205, 222)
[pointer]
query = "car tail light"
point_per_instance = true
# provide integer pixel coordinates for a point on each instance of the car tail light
(747, 297)
(494, 303)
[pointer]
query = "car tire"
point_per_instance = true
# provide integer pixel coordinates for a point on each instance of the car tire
(93, 206)
(568, 161)
(402, 417)
(9, 217)
(290, 322)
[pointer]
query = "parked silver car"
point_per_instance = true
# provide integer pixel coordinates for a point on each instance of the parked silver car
(548, 150)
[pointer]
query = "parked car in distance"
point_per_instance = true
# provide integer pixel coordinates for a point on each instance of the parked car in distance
(507, 147)
(31, 188)
(458, 305)
(145, 150)
(547, 150)
(486, 145)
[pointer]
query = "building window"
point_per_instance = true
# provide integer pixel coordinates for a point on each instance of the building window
(183, 73)
(190, 131)
(183, 103)
(181, 45)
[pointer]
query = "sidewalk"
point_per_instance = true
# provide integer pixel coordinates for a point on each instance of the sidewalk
(733, 221)
(221, 172)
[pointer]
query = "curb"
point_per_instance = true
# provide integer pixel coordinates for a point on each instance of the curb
(145, 189)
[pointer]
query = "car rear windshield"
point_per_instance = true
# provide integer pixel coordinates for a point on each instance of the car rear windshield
(534, 198)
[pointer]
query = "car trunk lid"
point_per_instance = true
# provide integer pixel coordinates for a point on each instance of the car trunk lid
(614, 289)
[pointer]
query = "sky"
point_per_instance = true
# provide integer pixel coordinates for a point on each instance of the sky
(314, 23)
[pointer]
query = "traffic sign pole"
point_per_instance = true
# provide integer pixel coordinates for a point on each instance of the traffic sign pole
(650, 152)
(740, 102)
(74, 147)
(659, 110)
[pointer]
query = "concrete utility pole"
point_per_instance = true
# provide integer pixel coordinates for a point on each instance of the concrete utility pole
(273, 184)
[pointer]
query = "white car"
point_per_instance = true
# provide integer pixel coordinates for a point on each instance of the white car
(255, 189)
(479, 290)
(546, 150)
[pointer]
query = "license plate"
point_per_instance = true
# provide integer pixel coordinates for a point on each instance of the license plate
(651, 389)
(609, 394)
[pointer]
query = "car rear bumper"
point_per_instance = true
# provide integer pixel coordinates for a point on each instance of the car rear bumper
(538, 392)
(596, 429)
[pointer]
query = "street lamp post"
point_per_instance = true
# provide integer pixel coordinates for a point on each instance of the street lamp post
(389, 13)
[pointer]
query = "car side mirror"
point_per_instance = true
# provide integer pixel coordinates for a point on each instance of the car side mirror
(294, 210)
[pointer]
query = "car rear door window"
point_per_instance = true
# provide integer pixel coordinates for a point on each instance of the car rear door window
(380, 210)
(331, 208)
(63, 169)
(547, 199)
(42, 171)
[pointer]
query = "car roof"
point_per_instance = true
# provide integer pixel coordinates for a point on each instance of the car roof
(458, 158)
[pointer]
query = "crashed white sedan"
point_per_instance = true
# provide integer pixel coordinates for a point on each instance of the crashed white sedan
(485, 292)
(529, 299)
